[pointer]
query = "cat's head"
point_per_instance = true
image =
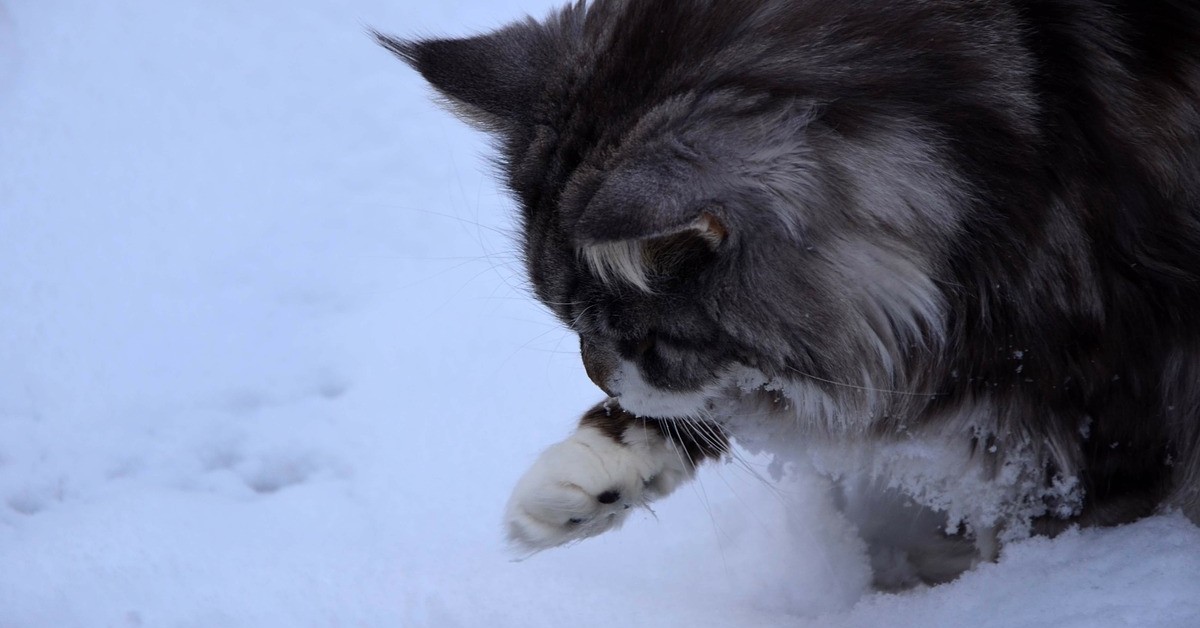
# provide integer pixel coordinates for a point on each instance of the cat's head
(705, 220)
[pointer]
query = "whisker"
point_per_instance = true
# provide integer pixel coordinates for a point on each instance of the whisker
(575, 321)
(708, 425)
(863, 388)
(508, 233)
(702, 493)
(526, 344)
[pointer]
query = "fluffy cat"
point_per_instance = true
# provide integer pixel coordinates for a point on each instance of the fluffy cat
(947, 250)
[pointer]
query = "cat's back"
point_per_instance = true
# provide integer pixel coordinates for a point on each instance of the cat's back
(1119, 84)
(1121, 76)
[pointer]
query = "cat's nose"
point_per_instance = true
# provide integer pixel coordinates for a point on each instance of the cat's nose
(599, 362)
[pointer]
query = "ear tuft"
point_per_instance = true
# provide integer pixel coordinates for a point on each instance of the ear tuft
(635, 261)
(405, 50)
(489, 78)
(711, 229)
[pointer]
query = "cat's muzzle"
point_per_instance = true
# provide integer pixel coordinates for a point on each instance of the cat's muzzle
(599, 362)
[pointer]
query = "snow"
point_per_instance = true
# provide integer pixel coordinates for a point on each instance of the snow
(269, 361)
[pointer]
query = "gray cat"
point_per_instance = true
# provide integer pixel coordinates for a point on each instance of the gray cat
(946, 250)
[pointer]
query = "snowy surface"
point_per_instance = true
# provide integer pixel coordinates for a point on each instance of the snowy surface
(268, 361)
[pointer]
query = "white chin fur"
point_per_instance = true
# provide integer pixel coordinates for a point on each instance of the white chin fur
(642, 399)
(558, 498)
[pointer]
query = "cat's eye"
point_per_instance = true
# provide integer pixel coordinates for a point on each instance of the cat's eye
(574, 521)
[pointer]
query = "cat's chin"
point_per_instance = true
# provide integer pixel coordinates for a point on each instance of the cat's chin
(637, 396)
(664, 405)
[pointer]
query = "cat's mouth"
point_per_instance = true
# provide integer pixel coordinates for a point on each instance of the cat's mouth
(621, 380)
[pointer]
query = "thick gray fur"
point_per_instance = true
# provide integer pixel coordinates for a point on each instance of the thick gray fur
(967, 221)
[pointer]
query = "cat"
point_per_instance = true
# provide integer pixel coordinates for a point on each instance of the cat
(945, 251)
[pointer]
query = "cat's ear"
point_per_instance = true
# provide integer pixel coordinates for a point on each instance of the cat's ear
(650, 201)
(489, 79)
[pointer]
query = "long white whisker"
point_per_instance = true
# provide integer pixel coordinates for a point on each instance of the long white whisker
(863, 388)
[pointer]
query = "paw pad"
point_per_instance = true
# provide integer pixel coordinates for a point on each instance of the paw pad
(608, 497)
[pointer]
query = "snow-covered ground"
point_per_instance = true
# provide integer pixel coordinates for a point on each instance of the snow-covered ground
(266, 359)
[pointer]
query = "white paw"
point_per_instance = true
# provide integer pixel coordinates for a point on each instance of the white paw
(588, 484)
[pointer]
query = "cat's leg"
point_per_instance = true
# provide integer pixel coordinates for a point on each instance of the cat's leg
(590, 482)
(908, 543)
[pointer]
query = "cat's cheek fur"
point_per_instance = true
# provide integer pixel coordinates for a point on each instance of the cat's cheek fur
(589, 483)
